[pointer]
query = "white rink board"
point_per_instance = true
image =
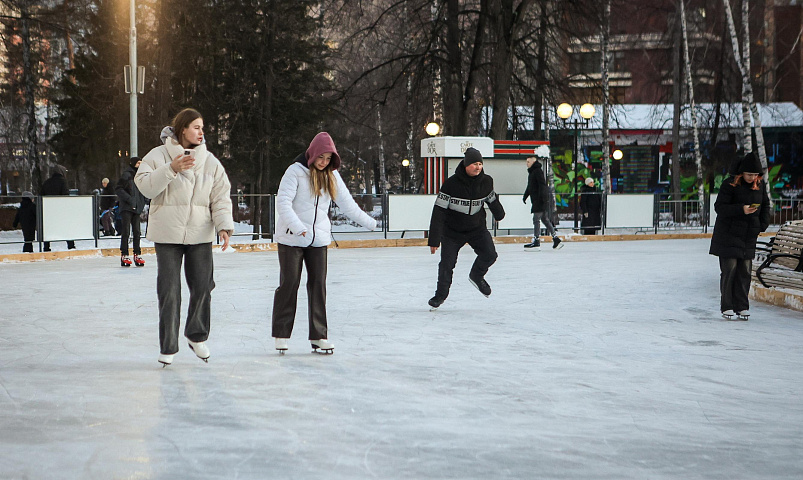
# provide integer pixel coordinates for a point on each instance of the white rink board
(67, 218)
(517, 214)
(712, 214)
(629, 211)
(409, 212)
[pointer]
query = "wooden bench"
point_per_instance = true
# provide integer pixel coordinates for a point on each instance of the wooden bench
(782, 264)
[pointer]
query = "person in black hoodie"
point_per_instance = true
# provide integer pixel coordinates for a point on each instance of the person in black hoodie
(56, 185)
(538, 192)
(131, 202)
(26, 218)
(458, 217)
(743, 212)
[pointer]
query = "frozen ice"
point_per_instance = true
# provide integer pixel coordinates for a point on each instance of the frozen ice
(604, 360)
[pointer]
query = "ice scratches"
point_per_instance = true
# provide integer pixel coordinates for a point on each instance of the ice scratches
(703, 343)
(8, 394)
(365, 459)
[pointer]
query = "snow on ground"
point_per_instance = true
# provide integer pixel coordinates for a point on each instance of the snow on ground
(603, 360)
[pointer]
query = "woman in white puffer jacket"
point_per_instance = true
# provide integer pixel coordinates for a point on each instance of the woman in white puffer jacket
(190, 194)
(303, 231)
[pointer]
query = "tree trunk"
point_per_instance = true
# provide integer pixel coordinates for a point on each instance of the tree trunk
(747, 143)
(164, 62)
(606, 143)
(690, 86)
(382, 177)
(30, 106)
(676, 100)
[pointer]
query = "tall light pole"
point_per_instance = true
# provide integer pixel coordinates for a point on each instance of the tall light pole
(565, 111)
(134, 85)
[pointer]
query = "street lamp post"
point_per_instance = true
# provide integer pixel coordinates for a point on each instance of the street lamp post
(132, 53)
(565, 111)
(405, 174)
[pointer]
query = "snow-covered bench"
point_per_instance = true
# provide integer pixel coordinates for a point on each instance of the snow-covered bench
(783, 264)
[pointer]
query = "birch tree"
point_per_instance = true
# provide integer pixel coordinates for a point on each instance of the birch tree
(606, 145)
(698, 161)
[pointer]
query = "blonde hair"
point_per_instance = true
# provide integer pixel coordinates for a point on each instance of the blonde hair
(322, 181)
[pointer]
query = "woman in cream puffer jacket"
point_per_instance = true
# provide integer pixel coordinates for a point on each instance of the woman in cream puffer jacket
(190, 202)
(303, 231)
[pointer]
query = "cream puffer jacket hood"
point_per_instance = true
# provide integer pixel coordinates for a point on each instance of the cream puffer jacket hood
(299, 211)
(188, 207)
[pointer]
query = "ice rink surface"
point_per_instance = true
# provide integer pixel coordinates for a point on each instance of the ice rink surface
(603, 360)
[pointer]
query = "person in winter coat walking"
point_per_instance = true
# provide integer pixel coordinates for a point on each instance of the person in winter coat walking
(303, 231)
(743, 212)
(591, 206)
(538, 192)
(190, 202)
(53, 186)
(132, 203)
(458, 217)
(26, 218)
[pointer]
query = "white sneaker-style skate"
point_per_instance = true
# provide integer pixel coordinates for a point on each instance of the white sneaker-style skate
(281, 345)
(165, 360)
(326, 347)
(727, 314)
(744, 315)
(200, 349)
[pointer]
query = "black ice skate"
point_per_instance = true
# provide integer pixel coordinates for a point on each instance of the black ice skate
(743, 316)
(326, 347)
(436, 302)
(556, 245)
(534, 246)
(481, 285)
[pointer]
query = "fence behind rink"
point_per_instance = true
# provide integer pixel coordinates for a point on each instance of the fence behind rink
(78, 217)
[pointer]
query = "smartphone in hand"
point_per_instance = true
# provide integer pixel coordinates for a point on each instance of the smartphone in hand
(755, 205)
(189, 153)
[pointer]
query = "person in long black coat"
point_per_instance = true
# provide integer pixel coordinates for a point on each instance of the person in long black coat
(131, 203)
(743, 212)
(458, 217)
(26, 218)
(538, 192)
(53, 186)
(591, 206)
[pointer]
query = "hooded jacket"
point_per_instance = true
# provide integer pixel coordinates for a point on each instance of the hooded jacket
(188, 207)
(55, 185)
(460, 205)
(299, 211)
(735, 233)
(128, 195)
(536, 188)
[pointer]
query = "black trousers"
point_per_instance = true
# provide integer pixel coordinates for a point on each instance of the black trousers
(285, 299)
(451, 243)
(734, 284)
(131, 224)
(199, 272)
(70, 245)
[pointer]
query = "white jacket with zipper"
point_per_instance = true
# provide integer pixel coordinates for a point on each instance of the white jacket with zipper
(299, 211)
(188, 207)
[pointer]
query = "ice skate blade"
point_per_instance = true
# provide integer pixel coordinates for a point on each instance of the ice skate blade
(281, 351)
(560, 245)
(322, 351)
(533, 249)
(433, 309)
(727, 317)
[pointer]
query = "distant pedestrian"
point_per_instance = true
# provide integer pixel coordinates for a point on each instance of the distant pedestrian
(132, 203)
(53, 186)
(303, 232)
(743, 212)
(458, 218)
(538, 192)
(108, 196)
(591, 208)
(26, 218)
(190, 202)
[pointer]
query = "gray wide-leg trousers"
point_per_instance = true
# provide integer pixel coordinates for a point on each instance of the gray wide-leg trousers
(198, 271)
(291, 260)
